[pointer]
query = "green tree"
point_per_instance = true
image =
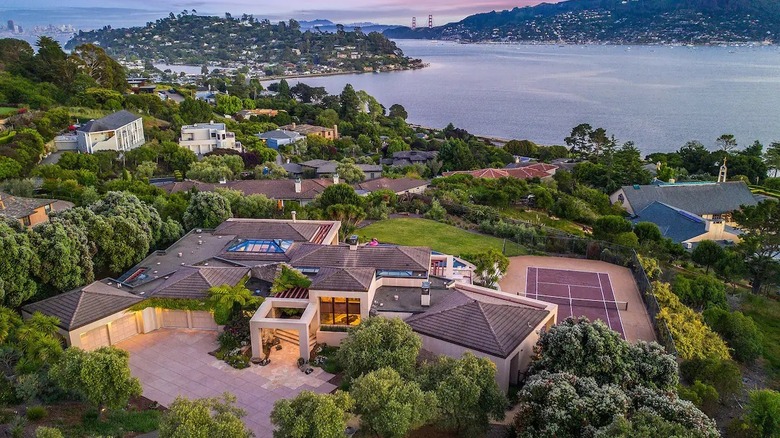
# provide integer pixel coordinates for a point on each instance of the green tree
(587, 349)
(93, 61)
(608, 227)
(38, 342)
(204, 418)
(195, 111)
(284, 90)
(763, 413)
(338, 194)
(350, 172)
(700, 292)
(101, 376)
(328, 117)
(146, 170)
(289, 278)
(227, 301)
(270, 170)
(398, 111)
(523, 148)
(64, 253)
(467, 392)
(311, 415)
(16, 282)
(227, 104)
(350, 217)
(772, 157)
(436, 212)
(645, 424)
(738, 330)
(389, 406)
(647, 232)
(726, 143)
(760, 244)
(378, 343)
(350, 103)
(206, 210)
(47, 432)
(490, 265)
(707, 253)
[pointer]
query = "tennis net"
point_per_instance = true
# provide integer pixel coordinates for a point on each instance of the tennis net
(581, 302)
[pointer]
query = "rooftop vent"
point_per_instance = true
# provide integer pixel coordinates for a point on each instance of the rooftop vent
(198, 231)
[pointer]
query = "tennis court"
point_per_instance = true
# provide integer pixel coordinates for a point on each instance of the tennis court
(577, 293)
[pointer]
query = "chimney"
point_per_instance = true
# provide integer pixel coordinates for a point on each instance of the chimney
(517, 159)
(293, 126)
(335, 132)
(425, 294)
(335, 178)
(353, 242)
(297, 185)
(715, 228)
(294, 215)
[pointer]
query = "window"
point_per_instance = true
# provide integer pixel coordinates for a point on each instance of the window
(262, 246)
(339, 311)
(26, 221)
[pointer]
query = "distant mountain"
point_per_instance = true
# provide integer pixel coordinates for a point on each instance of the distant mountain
(329, 26)
(617, 21)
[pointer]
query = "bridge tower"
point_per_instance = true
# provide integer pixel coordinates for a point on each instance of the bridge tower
(430, 21)
(414, 23)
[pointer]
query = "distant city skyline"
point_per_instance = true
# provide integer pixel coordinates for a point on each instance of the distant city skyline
(97, 13)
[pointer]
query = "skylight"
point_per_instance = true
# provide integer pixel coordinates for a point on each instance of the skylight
(262, 246)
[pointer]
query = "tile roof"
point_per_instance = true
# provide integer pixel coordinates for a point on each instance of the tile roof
(678, 225)
(463, 319)
(110, 122)
(379, 257)
(280, 134)
(186, 186)
(273, 188)
(194, 282)
(339, 279)
(701, 199)
(526, 172)
(399, 185)
(268, 272)
(305, 129)
(18, 208)
(85, 305)
(300, 231)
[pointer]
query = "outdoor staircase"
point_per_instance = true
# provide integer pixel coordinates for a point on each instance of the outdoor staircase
(291, 336)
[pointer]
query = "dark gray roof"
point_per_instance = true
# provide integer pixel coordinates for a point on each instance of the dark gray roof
(18, 208)
(301, 231)
(403, 258)
(338, 279)
(83, 306)
(110, 122)
(292, 167)
(708, 198)
(280, 134)
(283, 189)
(676, 224)
(399, 185)
(462, 319)
(194, 282)
(415, 155)
(269, 272)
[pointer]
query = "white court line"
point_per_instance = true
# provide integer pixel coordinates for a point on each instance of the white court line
(620, 318)
(571, 270)
(569, 284)
(571, 305)
(603, 298)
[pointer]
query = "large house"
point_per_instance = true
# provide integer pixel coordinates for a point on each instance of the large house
(28, 211)
(319, 131)
(349, 283)
(408, 158)
(120, 131)
(281, 190)
(203, 138)
(399, 186)
(687, 212)
(327, 169)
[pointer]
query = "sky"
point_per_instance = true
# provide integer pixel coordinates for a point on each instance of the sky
(136, 12)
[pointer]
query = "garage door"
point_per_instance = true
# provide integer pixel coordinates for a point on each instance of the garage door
(203, 321)
(174, 318)
(95, 338)
(124, 328)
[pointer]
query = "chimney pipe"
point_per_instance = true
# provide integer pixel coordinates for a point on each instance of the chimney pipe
(294, 215)
(335, 132)
(297, 185)
(335, 178)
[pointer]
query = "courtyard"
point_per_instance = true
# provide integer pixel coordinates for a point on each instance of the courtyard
(174, 362)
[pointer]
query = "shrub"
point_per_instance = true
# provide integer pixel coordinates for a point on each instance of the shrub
(28, 387)
(704, 396)
(35, 413)
(436, 212)
(701, 292)
(723, 375)
(378, 343)
(763, 413)
(739, 331)
(48, 432)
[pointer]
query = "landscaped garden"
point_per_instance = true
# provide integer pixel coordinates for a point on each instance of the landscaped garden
(436, 235)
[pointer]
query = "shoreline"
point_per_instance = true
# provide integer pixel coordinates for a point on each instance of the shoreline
(344, 73)
(723, 44)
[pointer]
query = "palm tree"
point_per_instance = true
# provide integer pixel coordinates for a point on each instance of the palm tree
(9, 322)
(227, 301)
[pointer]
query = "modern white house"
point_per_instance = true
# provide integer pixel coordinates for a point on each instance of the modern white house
(203, 138)
(120, 131)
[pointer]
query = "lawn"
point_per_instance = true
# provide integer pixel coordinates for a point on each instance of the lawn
(766, 313)
(438, 236)
(541, 218)
(7, 111)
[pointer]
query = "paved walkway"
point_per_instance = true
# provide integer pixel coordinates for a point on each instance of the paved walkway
(173, 363)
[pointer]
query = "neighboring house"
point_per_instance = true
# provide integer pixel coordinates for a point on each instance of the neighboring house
(247, 113)
(329, 133)
(203, 138)
(685, 227)
(711, 201)
(28, 211)
(207, 95)
(280, 137)
(281, 190)
(400, 186)
(538, 170)
(171, 95)
(120, 131)
(327, 169)
(407, 158)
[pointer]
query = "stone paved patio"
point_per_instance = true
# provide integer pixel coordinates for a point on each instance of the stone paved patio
(173, 363)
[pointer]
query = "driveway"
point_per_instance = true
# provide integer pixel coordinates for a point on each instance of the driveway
(174, 362)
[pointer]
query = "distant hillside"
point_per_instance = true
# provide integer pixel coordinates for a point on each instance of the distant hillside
(198, 40)
(617, 21)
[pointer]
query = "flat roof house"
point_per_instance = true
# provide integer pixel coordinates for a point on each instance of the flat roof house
(120, 131)
(203, 138)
